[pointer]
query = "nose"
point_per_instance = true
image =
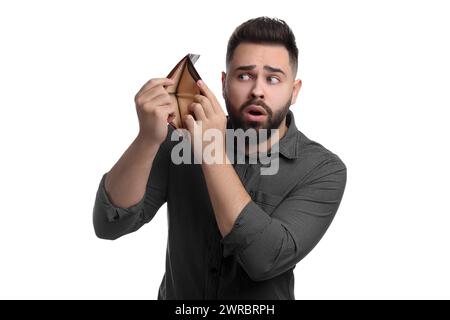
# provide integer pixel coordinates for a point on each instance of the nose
(257, 91)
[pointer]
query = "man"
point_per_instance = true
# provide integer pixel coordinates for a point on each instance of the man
(234, 233)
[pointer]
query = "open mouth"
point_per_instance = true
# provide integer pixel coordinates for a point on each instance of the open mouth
(255, 113)
(256, 110)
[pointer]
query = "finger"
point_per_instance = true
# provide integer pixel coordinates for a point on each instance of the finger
(152, 93)
(161, 100)
(158, 110)
(155, 82)
(189, 122)
(208, 93)
(198, 111)
(207, 106)
(166, 112)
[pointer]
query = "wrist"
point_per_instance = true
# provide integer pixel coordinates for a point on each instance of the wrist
(145, 142)
(216, 162)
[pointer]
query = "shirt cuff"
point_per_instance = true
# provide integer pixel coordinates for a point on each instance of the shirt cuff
(114, 213)
(248, 227)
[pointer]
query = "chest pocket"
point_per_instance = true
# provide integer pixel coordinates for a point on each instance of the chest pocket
(268, 202)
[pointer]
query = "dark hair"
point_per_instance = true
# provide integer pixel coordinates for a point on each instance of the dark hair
(264, 30)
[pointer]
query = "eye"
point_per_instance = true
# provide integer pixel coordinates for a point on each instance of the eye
(273, 80)
(244, 76)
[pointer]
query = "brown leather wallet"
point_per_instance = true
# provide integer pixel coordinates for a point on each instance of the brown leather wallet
(185, 88)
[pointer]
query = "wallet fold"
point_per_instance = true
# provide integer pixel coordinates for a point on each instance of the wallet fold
(184, 89)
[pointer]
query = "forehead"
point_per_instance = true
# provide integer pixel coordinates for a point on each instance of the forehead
(260, 55)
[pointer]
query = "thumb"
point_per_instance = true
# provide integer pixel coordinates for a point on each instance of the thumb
(189, 122)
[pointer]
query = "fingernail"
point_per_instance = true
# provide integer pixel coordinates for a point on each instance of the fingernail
(200, 83)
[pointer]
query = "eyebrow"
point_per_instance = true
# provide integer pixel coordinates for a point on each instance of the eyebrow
(268, 68)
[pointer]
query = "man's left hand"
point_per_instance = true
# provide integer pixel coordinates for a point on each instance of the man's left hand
(209, 119)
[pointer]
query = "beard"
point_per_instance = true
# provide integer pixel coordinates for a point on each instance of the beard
(273, 120)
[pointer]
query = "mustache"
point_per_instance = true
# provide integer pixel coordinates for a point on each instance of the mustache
(259, 103)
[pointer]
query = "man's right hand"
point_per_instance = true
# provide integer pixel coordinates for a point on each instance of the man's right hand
(154, 110)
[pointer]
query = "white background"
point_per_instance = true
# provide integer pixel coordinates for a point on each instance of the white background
(375, 91)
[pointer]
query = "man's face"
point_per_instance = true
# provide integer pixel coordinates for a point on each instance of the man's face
(259, 86)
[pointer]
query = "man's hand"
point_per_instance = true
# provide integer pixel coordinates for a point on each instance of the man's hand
(126, 182)
(209, 115)
(154, 109)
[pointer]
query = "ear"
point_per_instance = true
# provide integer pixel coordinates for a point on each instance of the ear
(224, 78)
(297, 86)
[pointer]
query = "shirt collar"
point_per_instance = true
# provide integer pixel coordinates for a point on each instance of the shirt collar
(288, 144)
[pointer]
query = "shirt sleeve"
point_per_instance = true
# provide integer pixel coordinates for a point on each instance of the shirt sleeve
(112, 222)
(268, 245)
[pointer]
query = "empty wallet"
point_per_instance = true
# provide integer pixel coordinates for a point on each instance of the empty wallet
(185, 88)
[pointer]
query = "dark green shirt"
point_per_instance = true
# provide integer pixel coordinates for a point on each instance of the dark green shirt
(289, 213)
